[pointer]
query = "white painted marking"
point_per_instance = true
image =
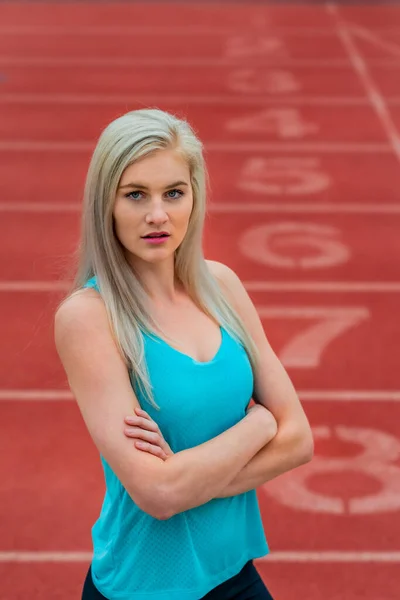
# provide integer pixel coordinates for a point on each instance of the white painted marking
(37, 556)
(375, 39)
(45, 146)
(365, 287)
(383, 31)
(333, 556)
(286, 556)
(258, 81)
(40, 207)
(227, 207)
(189, 99)
(384, 63)
(34, 286)
(25, 395)
(286, 123)
(376, 459)
(283, 176)
(303, 207)
(305, 349)
(277, 245)
(330, 148)
(361, 68)
(124, 61)
(304, 395)
(112, 30)
(350, 395)
(255, 45)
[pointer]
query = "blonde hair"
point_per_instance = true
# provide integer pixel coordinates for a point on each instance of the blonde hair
(123, 142)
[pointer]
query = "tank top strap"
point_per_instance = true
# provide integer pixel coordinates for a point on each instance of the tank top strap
(92, 283)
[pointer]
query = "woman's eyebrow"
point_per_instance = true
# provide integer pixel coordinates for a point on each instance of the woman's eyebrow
(140, 186)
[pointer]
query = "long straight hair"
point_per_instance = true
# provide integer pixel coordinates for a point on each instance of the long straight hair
(124, 141)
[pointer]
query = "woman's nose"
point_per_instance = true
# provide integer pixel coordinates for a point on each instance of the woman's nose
(156, 214)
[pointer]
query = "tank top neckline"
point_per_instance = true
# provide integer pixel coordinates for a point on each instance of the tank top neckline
(152, 336)
(186, 356)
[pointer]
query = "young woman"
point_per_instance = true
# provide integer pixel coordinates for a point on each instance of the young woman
(151, 325)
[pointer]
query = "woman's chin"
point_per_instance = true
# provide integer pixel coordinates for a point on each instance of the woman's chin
(153, 257)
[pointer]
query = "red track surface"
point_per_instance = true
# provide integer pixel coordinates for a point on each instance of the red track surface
(299, 109)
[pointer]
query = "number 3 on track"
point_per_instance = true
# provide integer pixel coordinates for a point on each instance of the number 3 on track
(377, 459)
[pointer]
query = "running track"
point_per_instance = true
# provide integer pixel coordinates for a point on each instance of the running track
(299, 108)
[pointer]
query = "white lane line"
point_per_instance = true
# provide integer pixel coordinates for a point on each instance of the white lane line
(384, 63)
(362, 287)
(335, 556)
(324, 286)
(323, 147)
(45, 146)
(350, 395)
(304, 395)
(243, 29)
(40, 207)
(123, 61)
(34, 286)
(227, 207)
(26, 395)
(362, 71)
(303, 207)
(374, 39)
(37, 556)
(286, 556)
(112, 30)
(126, 61)
(382, 30)
(186, 99)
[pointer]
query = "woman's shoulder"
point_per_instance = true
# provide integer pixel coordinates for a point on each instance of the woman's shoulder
(82, 305)
(233, 288)
(225, 275)
(218, 269)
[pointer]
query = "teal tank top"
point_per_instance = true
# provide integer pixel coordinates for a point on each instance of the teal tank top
(137, 557)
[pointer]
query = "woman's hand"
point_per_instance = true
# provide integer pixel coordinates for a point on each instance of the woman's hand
(147, 434)
(266, 417)
(148, 437)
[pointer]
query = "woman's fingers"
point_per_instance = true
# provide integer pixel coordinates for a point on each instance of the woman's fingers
(143, 434)
(151, 449)
(145, 423)
(142, 427)
(142, 413)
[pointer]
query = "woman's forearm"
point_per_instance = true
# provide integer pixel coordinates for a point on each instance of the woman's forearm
(197, 475)
(287, 450)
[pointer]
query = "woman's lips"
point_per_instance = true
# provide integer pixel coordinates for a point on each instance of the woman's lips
(156, 240)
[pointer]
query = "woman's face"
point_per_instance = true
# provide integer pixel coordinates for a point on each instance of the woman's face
(154, 197)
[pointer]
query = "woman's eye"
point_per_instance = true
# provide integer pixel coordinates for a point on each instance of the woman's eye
(134, 195)
(171, 195)
(174, 194)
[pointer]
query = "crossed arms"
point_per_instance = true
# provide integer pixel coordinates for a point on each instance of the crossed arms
(241, 458)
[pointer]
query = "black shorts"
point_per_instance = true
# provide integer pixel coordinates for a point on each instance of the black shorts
(246, 585)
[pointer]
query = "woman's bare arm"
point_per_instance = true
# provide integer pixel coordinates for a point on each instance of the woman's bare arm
(293, 444)
(99, 379)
